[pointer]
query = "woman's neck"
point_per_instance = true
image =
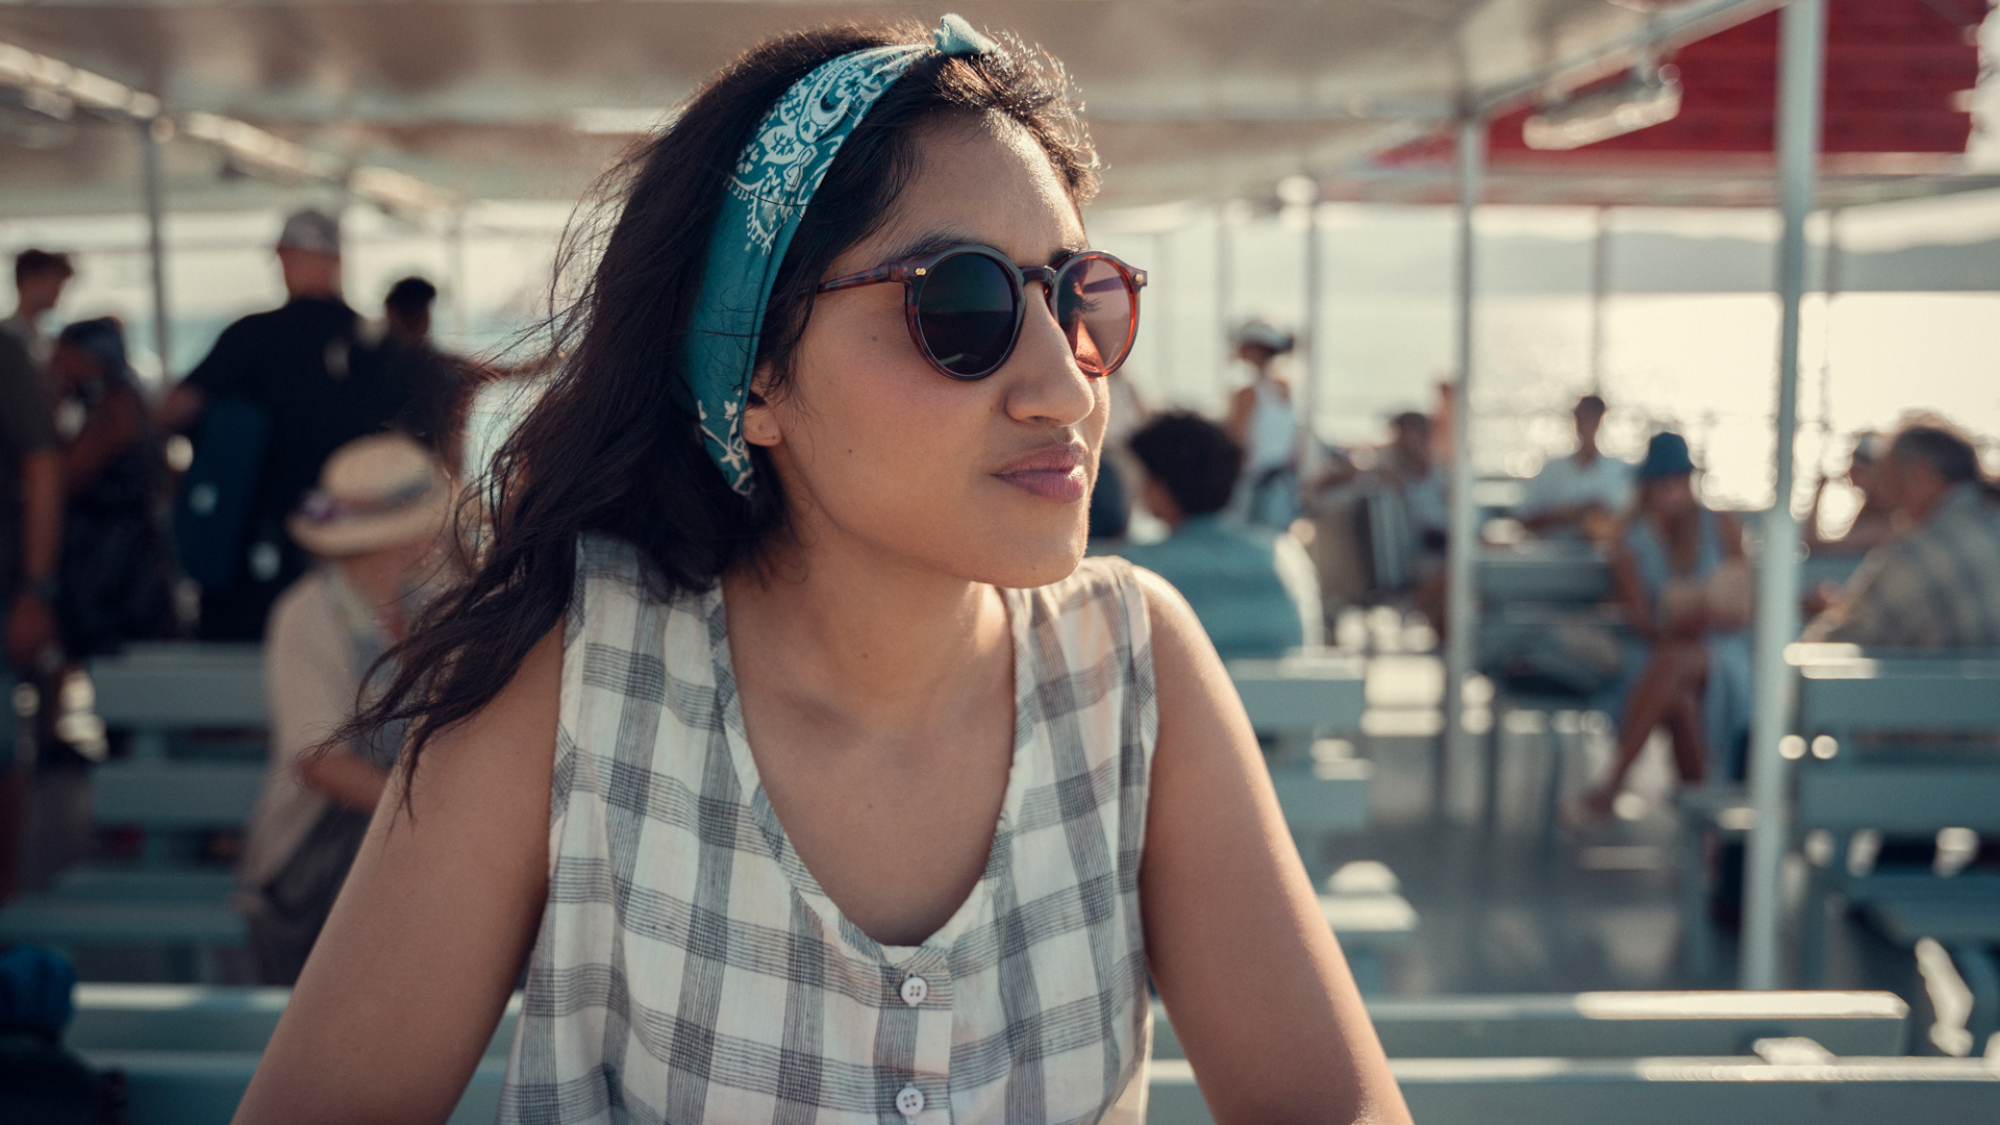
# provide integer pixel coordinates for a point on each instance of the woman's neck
(879, 642)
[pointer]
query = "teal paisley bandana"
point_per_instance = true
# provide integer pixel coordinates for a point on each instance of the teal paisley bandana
(775, 179)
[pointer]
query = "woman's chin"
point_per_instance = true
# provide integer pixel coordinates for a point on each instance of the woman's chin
(1029, 558)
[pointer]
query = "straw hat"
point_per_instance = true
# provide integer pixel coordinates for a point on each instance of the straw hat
(375, 492)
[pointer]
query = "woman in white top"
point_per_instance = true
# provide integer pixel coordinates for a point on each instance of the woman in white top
(1263, 421)
(778, 732)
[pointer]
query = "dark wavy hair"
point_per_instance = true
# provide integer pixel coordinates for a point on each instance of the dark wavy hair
(608, 447)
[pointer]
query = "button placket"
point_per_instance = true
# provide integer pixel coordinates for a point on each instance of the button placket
(921, 990)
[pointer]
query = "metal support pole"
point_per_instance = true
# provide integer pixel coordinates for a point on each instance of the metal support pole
(456, 277)
(151, 134)
(1225, 291)
(1600, 289)
(1163, 366)
(1830, 285)
(1309, 373)
(1462, 544)
(1801, 67)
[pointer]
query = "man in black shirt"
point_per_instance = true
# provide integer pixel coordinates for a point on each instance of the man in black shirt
(317, 386)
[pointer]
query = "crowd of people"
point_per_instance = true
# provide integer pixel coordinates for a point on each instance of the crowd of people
(319, 491)
(1677, 656)
(310, 518)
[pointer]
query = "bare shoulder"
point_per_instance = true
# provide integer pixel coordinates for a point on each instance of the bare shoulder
(1178, 638)
(429, 933)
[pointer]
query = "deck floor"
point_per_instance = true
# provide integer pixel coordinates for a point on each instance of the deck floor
(1500, 912)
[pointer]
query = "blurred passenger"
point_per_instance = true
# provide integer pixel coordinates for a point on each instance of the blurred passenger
(31, 501)
(39, 279)
(1938, 585)
(1254, 591)
(1680, 574)
(1875, 523)
(427, 387)
(1118, 472)
(297, 369)
(375, 523)
(1265, 425)
(1583, 494)
(117, 577)
(1406, 465)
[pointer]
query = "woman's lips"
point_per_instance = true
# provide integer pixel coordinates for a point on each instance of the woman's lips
(1054, 472)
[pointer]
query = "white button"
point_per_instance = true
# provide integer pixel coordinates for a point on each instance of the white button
(910, 1101)
(915, 990)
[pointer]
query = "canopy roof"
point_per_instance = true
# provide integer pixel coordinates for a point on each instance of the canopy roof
(530, 99)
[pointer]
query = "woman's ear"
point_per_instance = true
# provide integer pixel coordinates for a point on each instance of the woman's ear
(760, 418)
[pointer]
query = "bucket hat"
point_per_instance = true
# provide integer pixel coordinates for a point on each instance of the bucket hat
(1666, 456)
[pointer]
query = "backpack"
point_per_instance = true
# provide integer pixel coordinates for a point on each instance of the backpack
(211, 519)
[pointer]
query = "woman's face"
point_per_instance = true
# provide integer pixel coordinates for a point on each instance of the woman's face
(71, 367)
(1671, 495)
(989, 480)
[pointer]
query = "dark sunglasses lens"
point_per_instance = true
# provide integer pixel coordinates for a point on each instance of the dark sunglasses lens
(1096, 311)
(966, 311)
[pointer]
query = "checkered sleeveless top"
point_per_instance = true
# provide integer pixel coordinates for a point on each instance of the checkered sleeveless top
(690, 969)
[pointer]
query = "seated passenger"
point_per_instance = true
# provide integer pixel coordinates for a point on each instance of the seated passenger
(1584, 493)
(1253, 591)
(375, 522)
(1680, 573)
(1938, 585)
(1874, 524)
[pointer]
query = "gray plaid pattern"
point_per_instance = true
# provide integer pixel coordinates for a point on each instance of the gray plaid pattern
(690, 969)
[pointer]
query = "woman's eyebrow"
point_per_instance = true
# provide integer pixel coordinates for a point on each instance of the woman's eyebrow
(923, 246)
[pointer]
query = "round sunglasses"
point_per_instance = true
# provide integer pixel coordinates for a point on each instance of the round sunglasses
(965, 306)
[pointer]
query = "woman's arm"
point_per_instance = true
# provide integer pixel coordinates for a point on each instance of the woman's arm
(1241, 405)
(1729, 535)
(1630, 593)
(111, 427)
(1259, 992)
(410, 975)
(346, 778)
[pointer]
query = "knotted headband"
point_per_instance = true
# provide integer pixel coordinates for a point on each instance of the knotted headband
(775, 179)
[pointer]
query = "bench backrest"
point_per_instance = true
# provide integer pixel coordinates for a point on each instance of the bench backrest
(1621, 1024)
(1844, 690)
(1916, 800)
(1302, 694)
(1543, 573)
(195, 1017)
(180, 795)
(112, 1017)
(181, 687)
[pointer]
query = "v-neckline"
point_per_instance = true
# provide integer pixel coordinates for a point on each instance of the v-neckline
(803, 882)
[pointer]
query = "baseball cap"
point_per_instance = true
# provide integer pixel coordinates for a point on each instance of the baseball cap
(311, 230)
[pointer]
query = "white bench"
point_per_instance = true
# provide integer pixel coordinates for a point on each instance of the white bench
(198, 1018)
(1295, 700)
(1658, 1091)
(1846, 696)
(152, 690)
(1620, 1024)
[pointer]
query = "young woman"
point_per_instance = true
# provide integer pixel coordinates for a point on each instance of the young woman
(779, 733)
(1680, 574)
(116, 565)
